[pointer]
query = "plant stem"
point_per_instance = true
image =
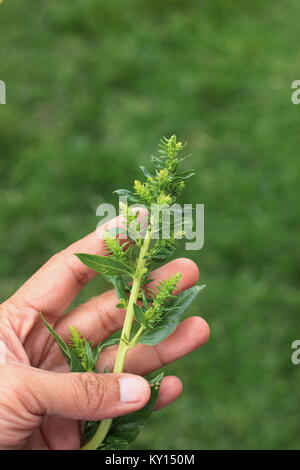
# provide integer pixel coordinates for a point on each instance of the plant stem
(124, 344)
(136, 337)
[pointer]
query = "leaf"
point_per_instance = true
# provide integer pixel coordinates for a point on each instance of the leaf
(131, 197)
(104, 264)
(90, 358)
(120, 286)
(107, 343)
(157, 162)
(176, 308)
(109, 278)
(64, 347)
(146, 281)
(146, 172)
(67, 351)
(138, 313)
(184, 175)
(96, 354)
(145, 300)
(126, 428)
(75, 364)
(185, 172)
(165, 250)
(121, 305)
(182, 159)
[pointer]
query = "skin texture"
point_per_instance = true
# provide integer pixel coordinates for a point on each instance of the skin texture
(41, 404)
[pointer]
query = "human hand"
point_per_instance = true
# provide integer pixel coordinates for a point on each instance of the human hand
(41, 404)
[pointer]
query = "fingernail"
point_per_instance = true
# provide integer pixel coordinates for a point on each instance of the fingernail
(132, 389)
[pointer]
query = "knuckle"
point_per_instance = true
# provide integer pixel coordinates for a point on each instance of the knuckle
(56, 257)
(76, 269)
(14, 386)
(11, 378)
(94, 389)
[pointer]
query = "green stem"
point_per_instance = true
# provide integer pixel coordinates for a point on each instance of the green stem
(99, 435)
(136, 337)
(124, 344)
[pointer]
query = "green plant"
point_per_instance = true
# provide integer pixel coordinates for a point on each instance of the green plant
(127, 266)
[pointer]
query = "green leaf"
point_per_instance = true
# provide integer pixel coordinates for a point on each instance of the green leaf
(183, 175)
(96, 353)
(131, 197)
(64, 347)
(109, 342)
(67, 351)
(145, 300)
(109, 278)
(75, 364)
(120, 286)
(89, 356)
(126, 428)
(138, 313)
(157, 162)
(146, 281)
(104, 264)
(146, 172)
(176, 308)
(120, 305)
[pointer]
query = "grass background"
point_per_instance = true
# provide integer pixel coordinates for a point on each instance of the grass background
(91, 86)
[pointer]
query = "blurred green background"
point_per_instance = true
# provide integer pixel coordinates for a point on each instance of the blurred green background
(91, 87)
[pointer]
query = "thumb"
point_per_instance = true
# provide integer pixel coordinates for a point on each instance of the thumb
(86, 396)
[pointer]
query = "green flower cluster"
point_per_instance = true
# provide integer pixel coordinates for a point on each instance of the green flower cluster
(162, 187)
(158, 307)
(163, 249)
(79, 344)
(114, 247)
